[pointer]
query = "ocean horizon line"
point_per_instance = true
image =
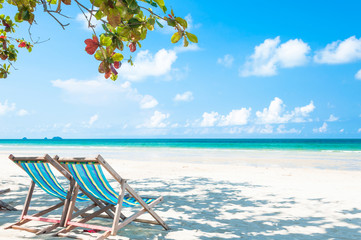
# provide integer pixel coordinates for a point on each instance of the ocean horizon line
(334, 144)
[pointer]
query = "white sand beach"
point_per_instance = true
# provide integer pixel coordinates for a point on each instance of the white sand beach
(219, 194)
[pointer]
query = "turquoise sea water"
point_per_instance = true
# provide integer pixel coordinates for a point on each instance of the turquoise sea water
(255, 144)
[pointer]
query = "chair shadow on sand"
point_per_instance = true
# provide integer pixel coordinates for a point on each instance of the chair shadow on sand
(201, 208)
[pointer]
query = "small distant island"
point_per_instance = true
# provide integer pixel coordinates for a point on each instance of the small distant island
(45, 138)
(56, 138)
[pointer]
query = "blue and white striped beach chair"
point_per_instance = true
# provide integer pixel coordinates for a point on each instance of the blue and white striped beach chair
(42, 176)
(91, 180)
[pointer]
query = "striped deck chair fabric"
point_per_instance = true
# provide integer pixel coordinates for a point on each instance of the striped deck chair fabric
(41, 174)
(43, 177)
(91, 179)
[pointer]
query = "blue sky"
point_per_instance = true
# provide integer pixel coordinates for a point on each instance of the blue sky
(263, 69)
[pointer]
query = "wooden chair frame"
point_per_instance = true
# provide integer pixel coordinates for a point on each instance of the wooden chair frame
(25, 218)
(113, 212)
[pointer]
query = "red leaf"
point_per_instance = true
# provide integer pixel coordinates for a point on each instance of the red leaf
(3, 56)
(22, 44)
(91, 45)
(107, 74)
(133, 47)
(95, 39)
(101, 67)
(117, 65)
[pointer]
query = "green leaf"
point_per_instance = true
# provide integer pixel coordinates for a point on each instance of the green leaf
(118, 43)
(151, 21)
(193, 38)
(117, 57)
(176, 37)
(132, 4)
(97, 3)
(134, 23)
(25, 15)
(105, 41)
(182, 22)
(164, 8)
(99, 15)
(171, 22)
(99, 55)
(18, 17)
(113, 77)
(159, 2)
(151, 3)
(159, 24)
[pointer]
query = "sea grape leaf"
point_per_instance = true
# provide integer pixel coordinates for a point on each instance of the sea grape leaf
(182, 22)
(176, 37)
(193, 38)
(117, 57)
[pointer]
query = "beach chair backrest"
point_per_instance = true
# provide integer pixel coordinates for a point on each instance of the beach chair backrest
(39, 171)
(89, 175)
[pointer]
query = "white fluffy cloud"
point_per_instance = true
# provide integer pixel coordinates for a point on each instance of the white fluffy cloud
(104, 90)
(359, 130)
(271, 55)
(226, 61)
(184, 97)
(209, 119)
(156, 121)
(332, 118)
(149, 65)
(7, 107)
(339, 51)
(275, 113)
(321, 129)
(234, 118)
(22, 112)
(148, 101)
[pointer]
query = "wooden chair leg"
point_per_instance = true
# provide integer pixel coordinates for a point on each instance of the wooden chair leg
(146, 207)
(67, 202)
(137, 214)
(119, 208)
(28, 200)
(72, 204)
(26, 206)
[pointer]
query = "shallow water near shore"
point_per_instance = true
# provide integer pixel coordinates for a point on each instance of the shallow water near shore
(323, 159)
(255, 144)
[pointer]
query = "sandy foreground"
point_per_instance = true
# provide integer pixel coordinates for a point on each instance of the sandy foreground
(218, 194)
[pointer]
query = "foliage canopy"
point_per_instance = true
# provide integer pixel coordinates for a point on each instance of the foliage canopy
(125, 24)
